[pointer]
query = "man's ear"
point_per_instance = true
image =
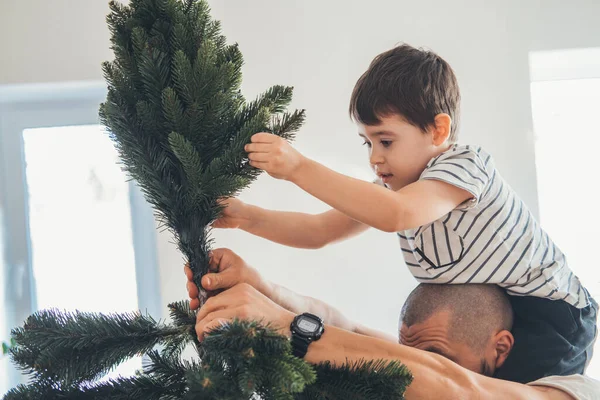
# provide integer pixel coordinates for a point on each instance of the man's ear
(503, 344)
(442, 125)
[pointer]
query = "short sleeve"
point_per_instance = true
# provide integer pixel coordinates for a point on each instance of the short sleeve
(463, 167)
(580, 387)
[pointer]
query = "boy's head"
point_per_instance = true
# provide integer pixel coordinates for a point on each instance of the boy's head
(405, 92)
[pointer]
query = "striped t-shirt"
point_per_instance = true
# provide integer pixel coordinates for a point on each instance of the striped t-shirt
(492, 238)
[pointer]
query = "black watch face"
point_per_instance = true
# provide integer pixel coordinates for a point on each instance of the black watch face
(307, 325)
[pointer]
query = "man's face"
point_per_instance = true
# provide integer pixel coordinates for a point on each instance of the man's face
(433, 335)
(398, 151)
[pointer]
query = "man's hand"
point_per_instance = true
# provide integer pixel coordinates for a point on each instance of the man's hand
(229, 270)
(274, 155)
(242, 301)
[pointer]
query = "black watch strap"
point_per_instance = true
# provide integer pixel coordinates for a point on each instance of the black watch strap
(299, 345)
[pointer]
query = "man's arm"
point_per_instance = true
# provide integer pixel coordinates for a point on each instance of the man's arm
(233, 270)
(433, 374)
(298, 304)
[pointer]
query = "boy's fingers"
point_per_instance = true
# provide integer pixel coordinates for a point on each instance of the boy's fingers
(194, 304)
(260, 157)
(257, 148)
(263, 137)
(188, 272)
(259, 164)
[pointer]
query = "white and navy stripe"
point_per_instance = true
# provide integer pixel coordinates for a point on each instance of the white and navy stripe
(492, 238)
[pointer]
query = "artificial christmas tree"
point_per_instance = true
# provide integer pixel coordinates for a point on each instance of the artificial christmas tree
(179, 121)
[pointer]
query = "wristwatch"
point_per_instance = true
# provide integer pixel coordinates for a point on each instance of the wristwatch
(306, 328)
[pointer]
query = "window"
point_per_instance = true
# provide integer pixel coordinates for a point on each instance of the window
(79, 220)
(77, 234)
(565, 99)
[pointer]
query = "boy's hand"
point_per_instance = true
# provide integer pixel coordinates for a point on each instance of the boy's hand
(234, 215)
(274, 155)
(229, 270)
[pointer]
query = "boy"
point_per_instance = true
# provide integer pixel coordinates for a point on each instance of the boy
(457, 220)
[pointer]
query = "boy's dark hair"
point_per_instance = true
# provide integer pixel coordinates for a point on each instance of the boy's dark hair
(414, 83)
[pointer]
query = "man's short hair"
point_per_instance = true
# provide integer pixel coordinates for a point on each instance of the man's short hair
(477, 311)
(416, 84)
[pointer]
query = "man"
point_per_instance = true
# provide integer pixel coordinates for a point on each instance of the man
(451, 340)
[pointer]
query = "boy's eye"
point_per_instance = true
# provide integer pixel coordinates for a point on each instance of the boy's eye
(368, 144)
(386, 143)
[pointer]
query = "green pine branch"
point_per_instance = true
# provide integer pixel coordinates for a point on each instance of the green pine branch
(137, 387)
(77, 347)
(177, 116)
(64, 352)
(372, 379)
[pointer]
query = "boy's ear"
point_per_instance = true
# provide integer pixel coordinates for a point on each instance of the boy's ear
(442, 124)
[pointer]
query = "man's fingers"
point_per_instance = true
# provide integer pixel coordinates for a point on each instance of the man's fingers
(213, 304)
(188, 272)
(209, 281)
(194, 303)
(214, 324)
(212, 321)
(222, 280)
(216, 256)
(231, 298)
(192, 290)
(228, 304)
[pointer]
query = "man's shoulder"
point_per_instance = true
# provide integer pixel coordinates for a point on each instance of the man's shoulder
(580, 387)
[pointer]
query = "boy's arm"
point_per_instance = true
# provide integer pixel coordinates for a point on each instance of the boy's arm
(307, 231)
(415, 205)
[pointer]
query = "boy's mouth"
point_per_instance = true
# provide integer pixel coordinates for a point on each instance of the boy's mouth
(386, 177)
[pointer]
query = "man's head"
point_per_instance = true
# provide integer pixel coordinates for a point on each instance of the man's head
(407, 107)
(468, 324)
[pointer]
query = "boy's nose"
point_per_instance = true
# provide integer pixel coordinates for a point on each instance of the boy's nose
(375, 159)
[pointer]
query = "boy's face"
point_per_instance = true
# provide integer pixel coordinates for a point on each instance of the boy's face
(398, 150)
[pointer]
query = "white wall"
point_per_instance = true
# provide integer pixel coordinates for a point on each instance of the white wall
(321, 48)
